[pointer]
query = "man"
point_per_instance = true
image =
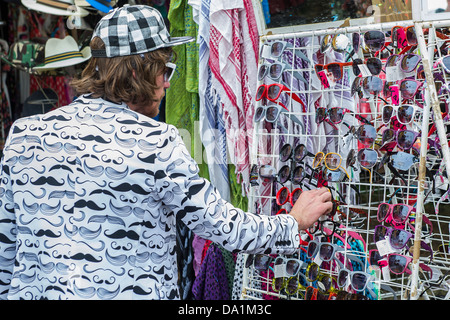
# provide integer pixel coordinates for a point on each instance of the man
(90, 192)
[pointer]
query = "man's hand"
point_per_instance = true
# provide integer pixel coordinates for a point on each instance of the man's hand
(310, 206)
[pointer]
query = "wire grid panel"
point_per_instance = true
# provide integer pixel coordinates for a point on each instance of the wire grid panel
(358, 191)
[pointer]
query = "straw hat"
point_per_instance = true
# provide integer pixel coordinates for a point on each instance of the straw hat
(60, 53)
(55, 7)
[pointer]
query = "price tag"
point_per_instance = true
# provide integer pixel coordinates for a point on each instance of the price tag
(395, 94)
(324, 79)
(365, 72)
(392, 73)
(384, 247)
(401, 38)
(279, 271)
(318, 260)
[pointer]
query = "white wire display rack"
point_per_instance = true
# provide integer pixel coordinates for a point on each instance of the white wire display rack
(424, 186)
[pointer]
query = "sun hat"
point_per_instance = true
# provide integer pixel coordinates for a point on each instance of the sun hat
(133, 30)
(55, 7)
(61, 53)
(101, 5)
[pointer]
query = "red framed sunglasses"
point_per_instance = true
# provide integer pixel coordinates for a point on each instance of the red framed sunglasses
(335, 68)
(273, 91)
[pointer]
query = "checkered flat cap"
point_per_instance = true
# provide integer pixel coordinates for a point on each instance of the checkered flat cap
(133, 30)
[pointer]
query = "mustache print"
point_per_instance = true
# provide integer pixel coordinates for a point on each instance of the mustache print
(89, 204)
(61, 166)
(121, 234)
(126, 187)
(87, 257)
(56, 117)
(138, 123)
(110, 219)
(46, 180)
(92, 137)
(149, 159)
(47, 233)
(100, 191)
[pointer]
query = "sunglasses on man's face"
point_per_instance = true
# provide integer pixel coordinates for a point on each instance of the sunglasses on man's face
(170, 70)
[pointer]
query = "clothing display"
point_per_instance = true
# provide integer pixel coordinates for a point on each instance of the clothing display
(267, 99)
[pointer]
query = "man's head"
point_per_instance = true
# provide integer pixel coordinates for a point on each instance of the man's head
(130, 48)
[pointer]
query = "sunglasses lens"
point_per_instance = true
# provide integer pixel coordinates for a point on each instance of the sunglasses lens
(318, 159)
(259, 114)
(336, 115)
(335, 69)
(355, 67)
(277, 49)
(260, 92)
(409, 62)
(333, 161)
(406, 139)
(411, 36)
(262, 72)
(383, 211)
(277, 284)
(272, 114)
(331, 176)
(397, 264)
(298, 175)
(292, 286)
(296, 194)
(399, 238)
(374, 257)
(400, 213)
(391, 61)
(373, 85)
(312, 273)
(356, 41)
(342, 278)
(299, 152)
(284, 173)
(261, 262)
(408, 88)
(403, 161)
(326, 252)
(356, 87)
(374, 65)
(374, 40)
(285, 152)
(351, 158)
(326, 43)
(267, 171)
(405, 113)
(387, 113)
(275, 71)
(312, 247)
(388, 136)
(367, 158)
(366, 134)
(380, 233)
(446, 63)
(359, 281)
(273, 92)
(292, 267)
(321, 114)
(282, 196)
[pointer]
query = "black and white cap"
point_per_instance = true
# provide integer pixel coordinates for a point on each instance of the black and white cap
(133, 30)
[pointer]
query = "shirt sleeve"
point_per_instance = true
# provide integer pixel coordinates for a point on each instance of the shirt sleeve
(8, 230)
(199, 205)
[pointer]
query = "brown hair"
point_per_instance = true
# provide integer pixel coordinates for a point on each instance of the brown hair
(112, 78)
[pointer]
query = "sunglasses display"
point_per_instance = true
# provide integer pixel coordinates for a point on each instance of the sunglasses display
(369, 137)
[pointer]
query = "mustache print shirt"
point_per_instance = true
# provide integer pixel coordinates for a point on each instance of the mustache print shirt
(89, 197)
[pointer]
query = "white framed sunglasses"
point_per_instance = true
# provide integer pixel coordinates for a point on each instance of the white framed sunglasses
(170, 70)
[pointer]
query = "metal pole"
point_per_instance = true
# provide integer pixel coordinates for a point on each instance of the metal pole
(438, 121)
